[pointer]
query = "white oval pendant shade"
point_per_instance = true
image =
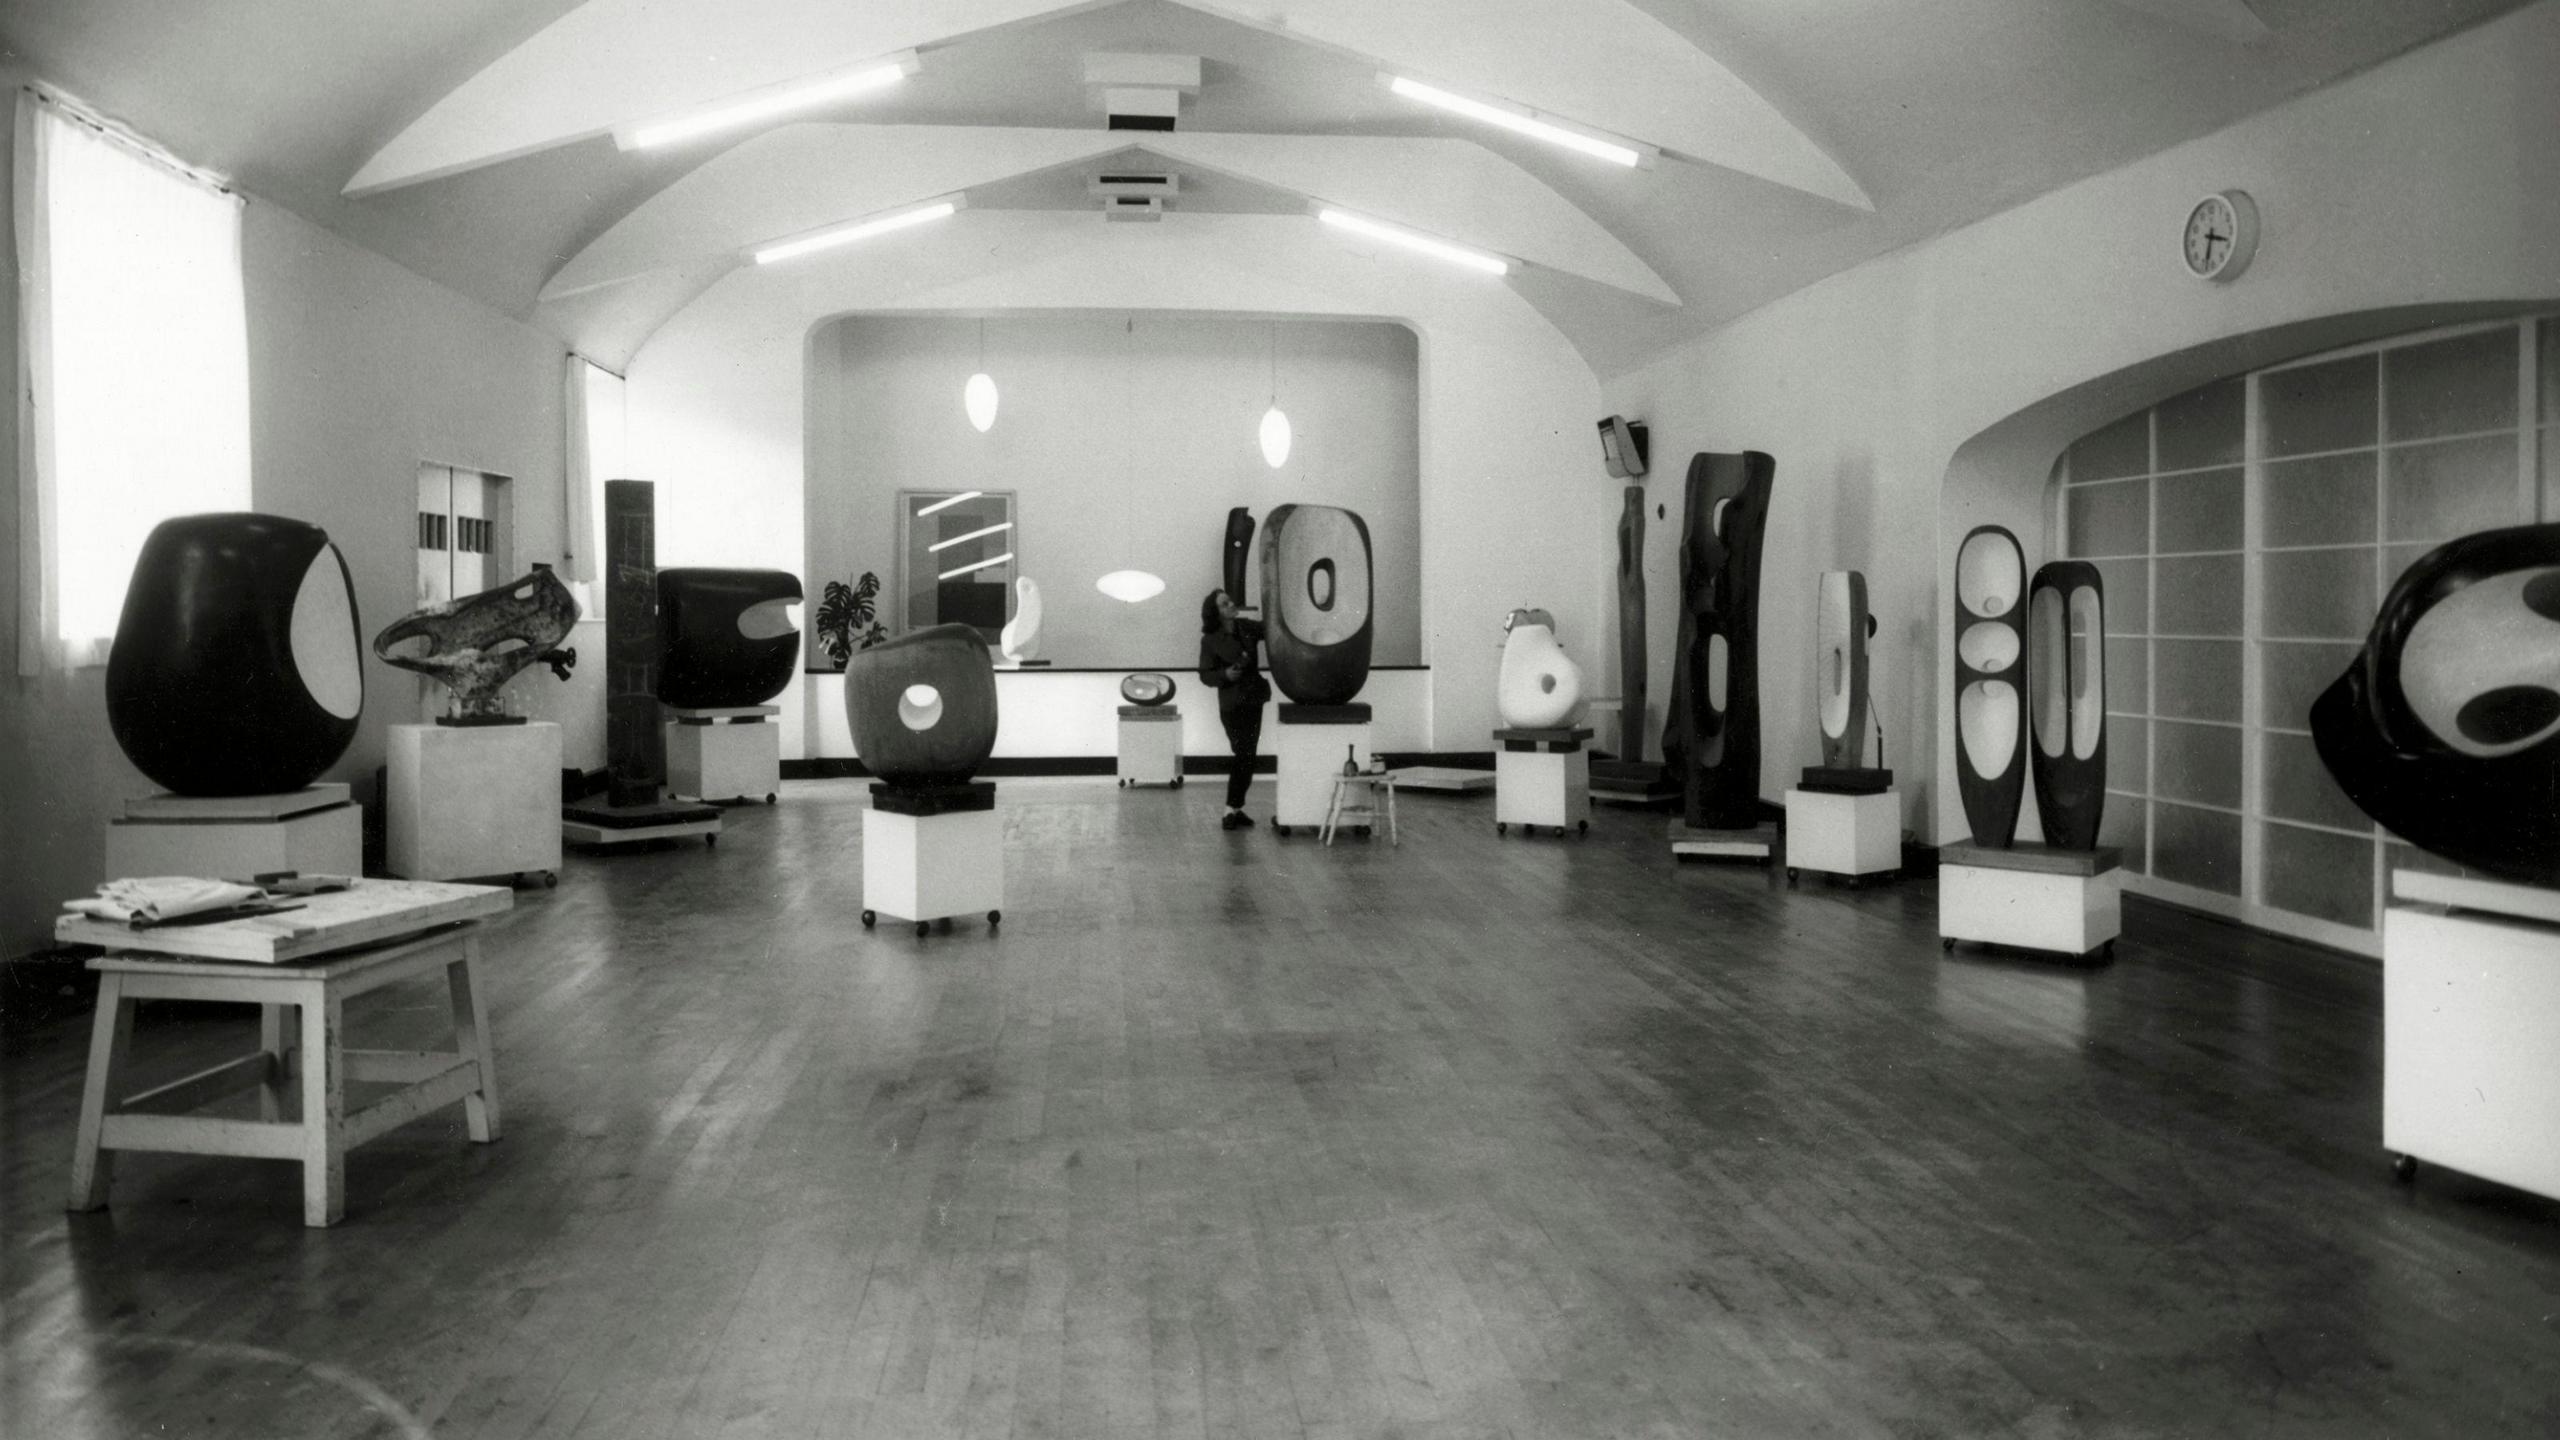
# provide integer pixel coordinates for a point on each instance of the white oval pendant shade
(980, 398)
(1130, 585)
(1275, 438)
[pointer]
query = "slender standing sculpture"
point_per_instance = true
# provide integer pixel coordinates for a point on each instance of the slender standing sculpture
(1990, 644)
(476, 644)
(1238, 552)
(1631, 650)
(1841, 626)
(1712, 740)
(1020, 639)
(1317, 590)
(1540, 687)
(635, 750)
(2446, 729)
(922, 708)
(725, 637)
(237, 668)
(2067, 665)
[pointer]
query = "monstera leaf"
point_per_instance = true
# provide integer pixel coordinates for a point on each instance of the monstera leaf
(845, 621)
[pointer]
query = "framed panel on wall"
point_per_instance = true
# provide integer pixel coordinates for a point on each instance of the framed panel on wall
(957, 556)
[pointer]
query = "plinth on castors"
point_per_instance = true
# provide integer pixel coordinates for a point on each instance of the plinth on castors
(933, 853)
(1846, 823)
(2470, 1066)
(2031, 897)
(1314, 742)
(472, 800)
(1150, 745)
(732, 753)
(315, 830)
(1541, 777)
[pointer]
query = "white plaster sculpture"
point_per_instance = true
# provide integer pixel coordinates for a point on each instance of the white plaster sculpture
(1021, 635)
(1540, 689)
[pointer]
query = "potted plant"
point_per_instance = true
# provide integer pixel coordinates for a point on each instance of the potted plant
(845, 622)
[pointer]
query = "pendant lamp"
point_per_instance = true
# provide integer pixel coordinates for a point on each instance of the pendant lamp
(1275, 424)
(1131, 586)
(978, 397)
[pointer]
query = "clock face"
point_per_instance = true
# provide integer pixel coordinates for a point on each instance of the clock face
(2221, 233)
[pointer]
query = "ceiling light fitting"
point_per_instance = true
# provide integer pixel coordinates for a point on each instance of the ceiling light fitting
(981, 565)
(1414, 240)
(767, 103)
(836, 235)
(978, 397)
(1130, 585)
(1525, 122)
(1275, 424)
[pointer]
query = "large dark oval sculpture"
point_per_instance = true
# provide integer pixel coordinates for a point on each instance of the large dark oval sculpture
(477, 643)
(237, 667)
(1239, 550)
(725, 637)
(1317, 590)
(1990, 661)
(923, 706)
(1146, 688)
(2067, 671)
(2447, 728)
(1711, 739)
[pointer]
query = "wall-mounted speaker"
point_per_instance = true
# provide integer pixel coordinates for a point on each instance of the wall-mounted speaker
(1990, 661)
(2067, 668)
(1624, 447)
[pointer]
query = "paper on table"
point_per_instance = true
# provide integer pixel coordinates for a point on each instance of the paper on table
(162, 897)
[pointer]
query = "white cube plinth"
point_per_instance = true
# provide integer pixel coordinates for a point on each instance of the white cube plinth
(2470, 1061)
(724, 759)
(1310, 757)
(472, 800)
(1852, 835)
(1151, 746)
(1542, 787)
(2005, 899)
(315, 831)
(926, 867)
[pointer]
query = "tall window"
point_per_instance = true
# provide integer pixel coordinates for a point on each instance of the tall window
(133, 346)
(2248, 531)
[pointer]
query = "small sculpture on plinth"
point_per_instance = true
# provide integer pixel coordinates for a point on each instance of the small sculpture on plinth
(478, 643)
(1540, 687)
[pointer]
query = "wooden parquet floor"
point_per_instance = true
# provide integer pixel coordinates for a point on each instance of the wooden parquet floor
(1223, 1135)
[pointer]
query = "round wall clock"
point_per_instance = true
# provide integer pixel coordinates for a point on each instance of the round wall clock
(2221, 235)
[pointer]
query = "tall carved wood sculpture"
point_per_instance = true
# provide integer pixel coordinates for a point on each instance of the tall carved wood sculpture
(1317, 592)
(1713, 739)
(1841, 628)
(2447, 728)
(1238, 553)
(2067, 666)
(1990, 655)
(635, 749)
(236, 668)
(1631, 648)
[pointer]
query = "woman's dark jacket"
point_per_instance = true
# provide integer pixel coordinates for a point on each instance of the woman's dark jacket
(1220, 649)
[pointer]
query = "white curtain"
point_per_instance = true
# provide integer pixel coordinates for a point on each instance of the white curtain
(576, 526)
(133, 348)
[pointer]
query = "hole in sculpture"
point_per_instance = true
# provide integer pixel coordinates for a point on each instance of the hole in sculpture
(1320, 584)
(2052, 671)
(2088, 672)
(1546, 684)
(920, 707)
(1987, 725)
(1988, 648)
(2508, 714)
(1717, 661)
(1988, 574)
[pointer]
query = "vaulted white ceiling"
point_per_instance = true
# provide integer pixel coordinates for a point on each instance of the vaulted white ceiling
(469, 139)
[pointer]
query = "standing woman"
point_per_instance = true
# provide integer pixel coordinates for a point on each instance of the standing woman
(1227, 664)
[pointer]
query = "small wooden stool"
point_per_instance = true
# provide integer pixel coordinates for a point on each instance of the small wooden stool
(307, 1050)
(1351, 808)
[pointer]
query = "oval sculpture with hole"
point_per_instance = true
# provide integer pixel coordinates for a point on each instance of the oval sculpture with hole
(1317, 590)
(1540, 688)
(922, 707)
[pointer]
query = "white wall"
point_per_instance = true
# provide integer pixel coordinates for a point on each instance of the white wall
(2426, 182)
(1512, 509)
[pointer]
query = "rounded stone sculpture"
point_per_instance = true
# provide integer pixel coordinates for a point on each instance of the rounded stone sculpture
(1317, 590)
(237, 667)
(1147, 688)
(478, 643)
(2446, 729)
(1540, 687)
(1021, 637)
(922, 707)
(725, 637)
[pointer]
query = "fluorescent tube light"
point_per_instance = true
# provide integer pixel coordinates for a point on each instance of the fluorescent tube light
(1455, 254)
(972, 535)
(981, 565)
(766, 104)
(1515, 121)
(948, 503)
(859, 230)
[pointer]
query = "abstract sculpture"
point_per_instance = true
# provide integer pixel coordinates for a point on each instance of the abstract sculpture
(1148, 689)
(1631, 648)
(635, 743)
(922, 707)
(1317, 590)
(1990, 643)
(237, 668)
(1841, 626)
(2446, 729)
(1712, 739)
(2067, 666)
(477, 643)
(1021, 637)
(1539, 689)
(1239, 550)
(725, 637)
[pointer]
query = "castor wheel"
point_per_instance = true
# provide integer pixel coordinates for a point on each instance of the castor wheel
(1582, 827)
(2404, 1168)
(711, 842)
(1948, 945)
(1501, 828)
(1177, 782)
(770, 797)
(1124, 782)
(994, 918)
(1791, 875)
(1280, 830)
(944, 924)
(923, 928)
(550, 879)
(870, 918)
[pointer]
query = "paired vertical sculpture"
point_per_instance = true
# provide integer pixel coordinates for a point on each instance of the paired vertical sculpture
(1712, 740)
(2446, 729)
(1238, 552)
(725, 637)
(478, 643)
(1540, 687)
(1631, 649)
(2010, 634)
(1317, 592)
(237, 668)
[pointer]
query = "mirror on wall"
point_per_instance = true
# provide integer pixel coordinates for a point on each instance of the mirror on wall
(957, 556)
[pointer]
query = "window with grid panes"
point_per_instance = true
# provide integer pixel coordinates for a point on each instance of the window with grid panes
(2247, 531)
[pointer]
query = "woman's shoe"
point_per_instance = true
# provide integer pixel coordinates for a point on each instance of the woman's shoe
(1235, 820)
